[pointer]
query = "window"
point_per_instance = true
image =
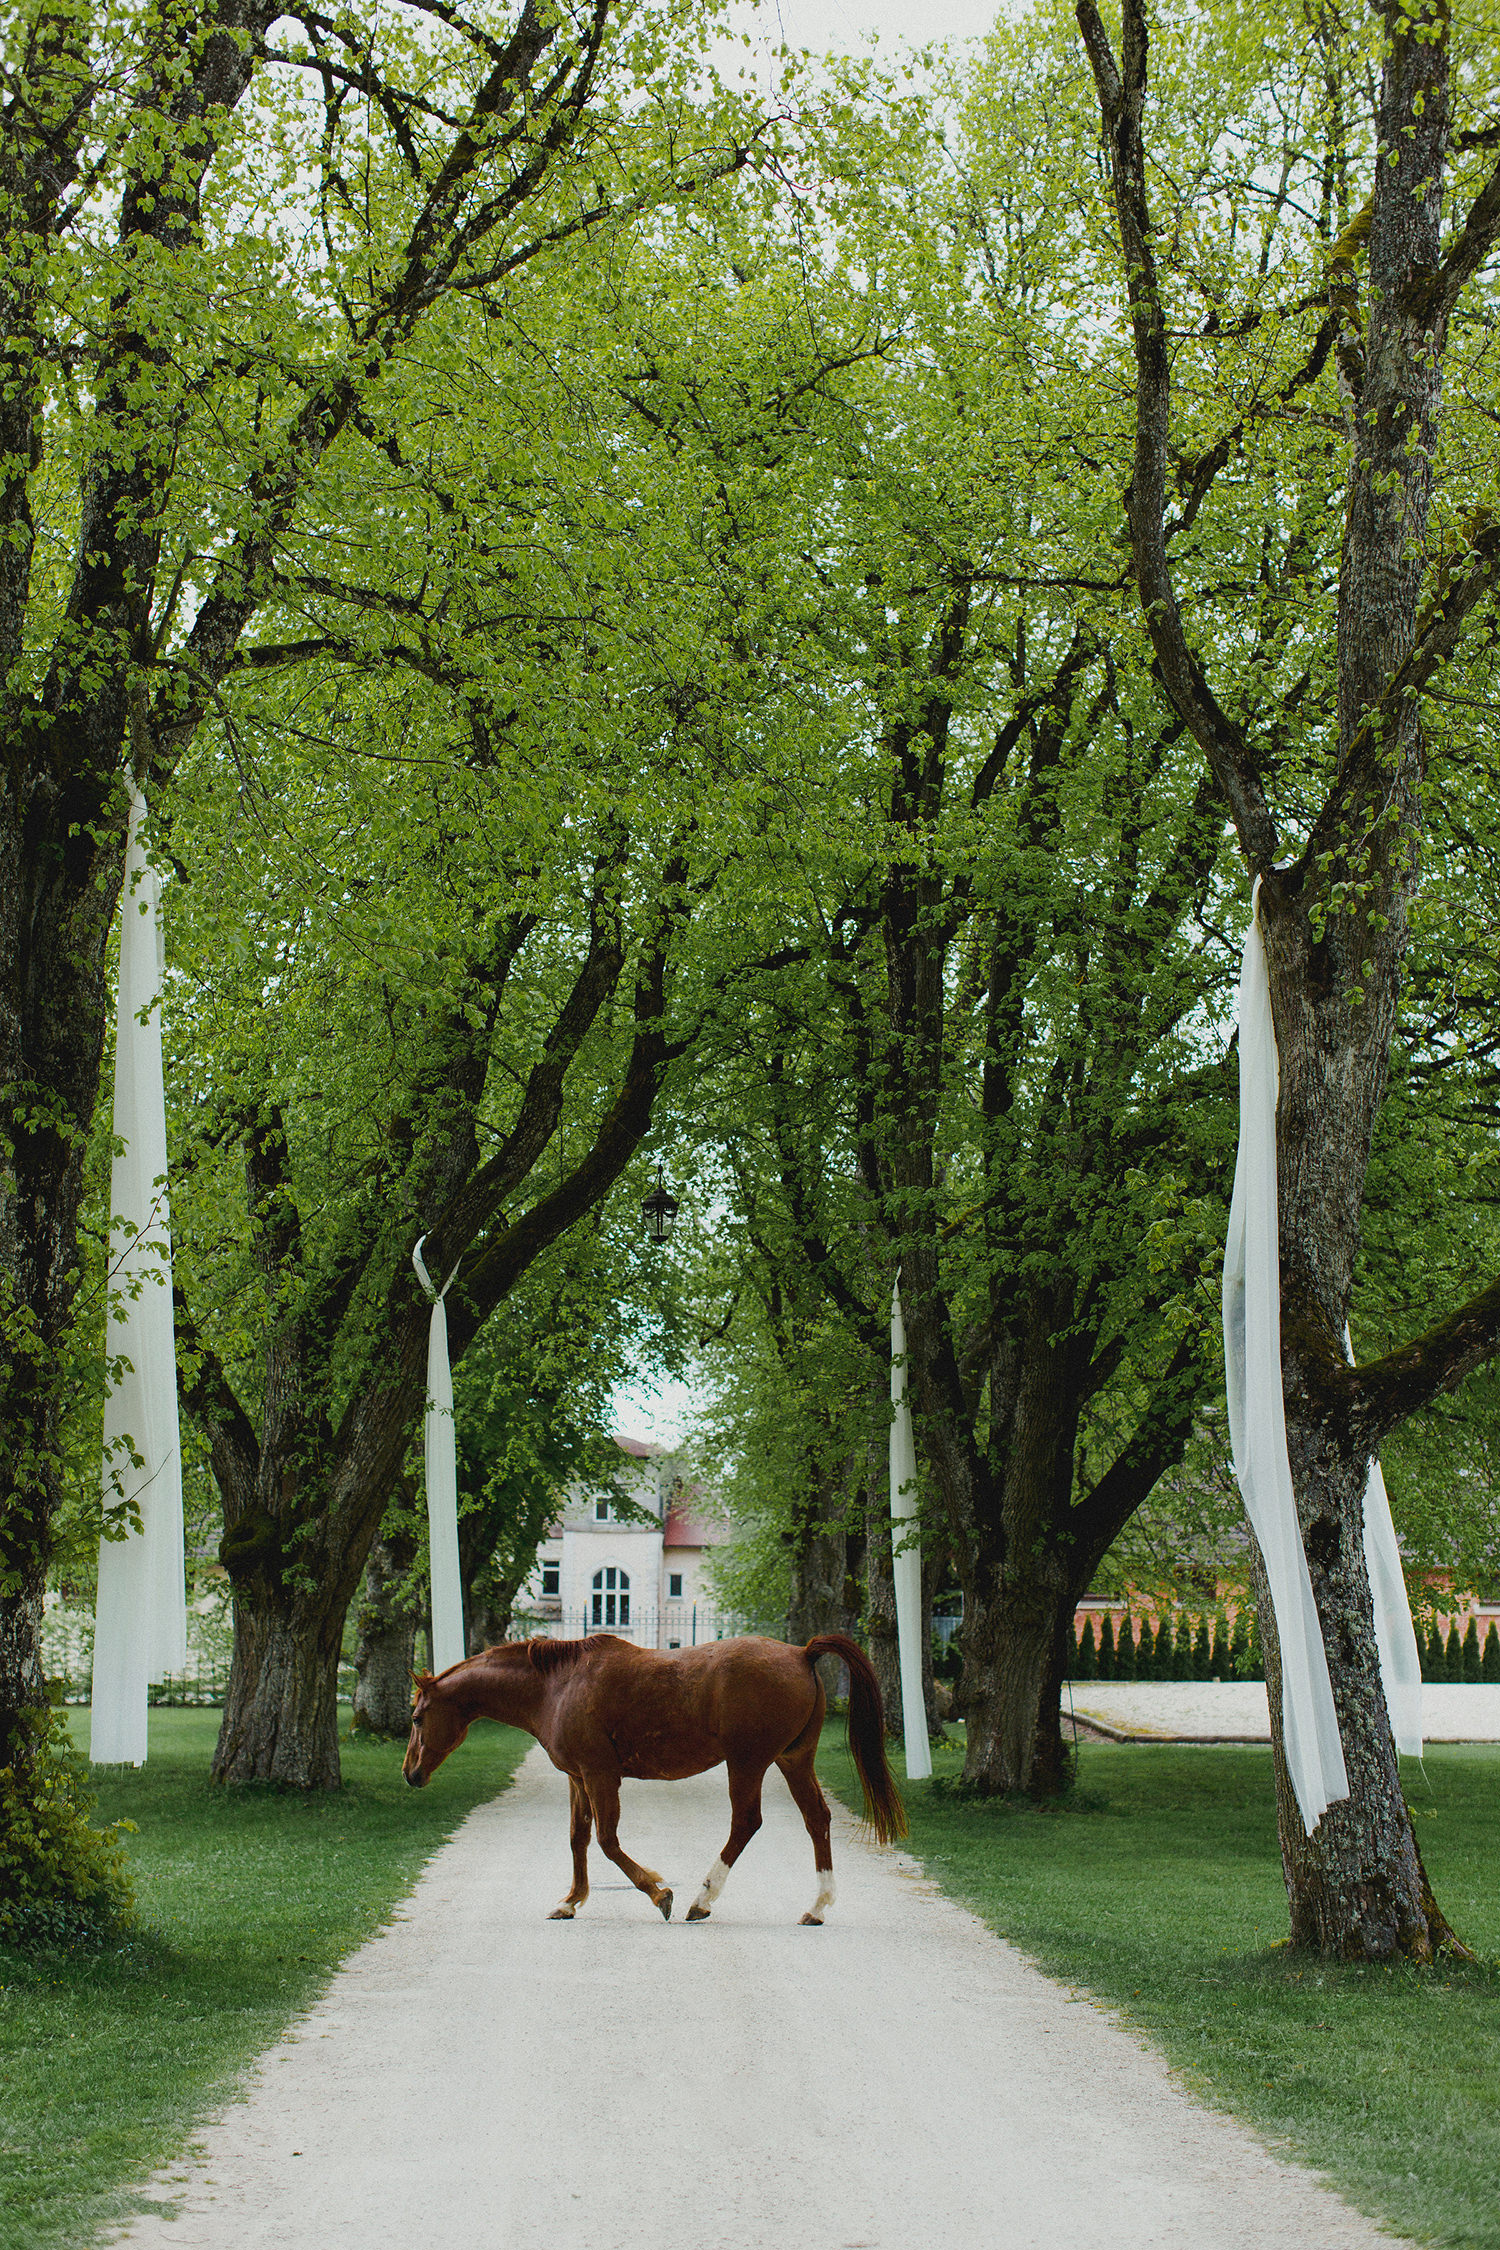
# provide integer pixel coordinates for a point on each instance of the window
(550, 1577)
(601, 1511)
(674, 1644)
(674, 1585)
(611, 1597)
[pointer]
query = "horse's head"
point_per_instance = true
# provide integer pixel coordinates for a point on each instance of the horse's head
(437, 1727)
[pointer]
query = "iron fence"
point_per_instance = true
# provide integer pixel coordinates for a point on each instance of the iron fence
(202, 1681)
(647, 1624)
(68, 1643)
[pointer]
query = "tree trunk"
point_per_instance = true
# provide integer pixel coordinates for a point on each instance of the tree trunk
(281, 1711)
(490, 1609)
(490, 1588)
(383, 1652)
(817, 1603)
(294, 1574)
(1018, 1617)
(56, 911)
(1356, 1888)
(1015, 1661)
(819, 1549)
(22, 1687)
(931, 1565)
(880, 1591)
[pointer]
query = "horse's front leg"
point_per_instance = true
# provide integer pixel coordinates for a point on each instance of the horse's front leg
(580, 1825)
(604, 1796)
(744, 1819)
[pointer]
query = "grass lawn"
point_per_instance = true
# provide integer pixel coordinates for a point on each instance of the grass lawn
(1159, 1890)
(248, 1900)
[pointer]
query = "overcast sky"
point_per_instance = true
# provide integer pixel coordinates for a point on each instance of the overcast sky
(843, 25)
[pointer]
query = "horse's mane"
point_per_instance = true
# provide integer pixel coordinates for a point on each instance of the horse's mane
(552, 1656)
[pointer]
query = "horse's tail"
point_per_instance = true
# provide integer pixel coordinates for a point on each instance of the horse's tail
(883, 1807)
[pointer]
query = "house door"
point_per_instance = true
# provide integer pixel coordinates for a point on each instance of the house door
(611, 1597)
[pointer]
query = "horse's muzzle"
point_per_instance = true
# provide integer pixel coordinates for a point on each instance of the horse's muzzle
(416, 1781)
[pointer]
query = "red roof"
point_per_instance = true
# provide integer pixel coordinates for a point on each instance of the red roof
(639, 1449)
(685, 1528)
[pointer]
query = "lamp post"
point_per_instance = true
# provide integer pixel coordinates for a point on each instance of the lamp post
(659, 1210)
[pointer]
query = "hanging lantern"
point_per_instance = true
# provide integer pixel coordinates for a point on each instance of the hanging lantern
(659, 1210)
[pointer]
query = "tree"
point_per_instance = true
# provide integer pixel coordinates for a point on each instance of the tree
(978, 1045)
(177, 376)
(525, 897)
(433, 1104)
(1338, 779)
(795, 1439)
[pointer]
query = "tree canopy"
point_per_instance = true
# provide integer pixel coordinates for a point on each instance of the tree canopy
(647, 623)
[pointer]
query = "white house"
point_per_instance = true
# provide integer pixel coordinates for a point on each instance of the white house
(598, 1572)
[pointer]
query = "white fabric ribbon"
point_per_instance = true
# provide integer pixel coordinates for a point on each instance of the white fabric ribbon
(1257, 1429)
(140, 1615)
(1257, 1413)
(906, 1564)
(1395, 1635)
(442, 1482)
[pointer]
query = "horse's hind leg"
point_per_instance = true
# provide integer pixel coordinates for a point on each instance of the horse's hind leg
(797, 1766)
(604, 1795)
(580, 1823)
(744, 1810)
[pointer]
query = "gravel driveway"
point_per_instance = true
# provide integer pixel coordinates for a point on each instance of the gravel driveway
(1235, 1710)
(478, 2075)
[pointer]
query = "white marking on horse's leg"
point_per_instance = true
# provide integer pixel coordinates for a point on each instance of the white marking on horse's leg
(564, 1911)
(713, 1883)
(827, 1892)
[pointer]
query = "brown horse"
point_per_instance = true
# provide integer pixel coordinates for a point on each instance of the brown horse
(603, 1709)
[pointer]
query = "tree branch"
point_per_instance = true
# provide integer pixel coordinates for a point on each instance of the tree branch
(1437, 636)
(1433, 299)
(541, 1104)
(1386, 1391)
(1155, 1445)
(1122, 101)
(234, 1450)
(504, 1257)
(811, 1239)
(1197, 477)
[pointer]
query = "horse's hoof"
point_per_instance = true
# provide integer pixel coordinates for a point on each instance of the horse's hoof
(664, 1901)
(562, 1914)
(696, 1913)
(811, 1922)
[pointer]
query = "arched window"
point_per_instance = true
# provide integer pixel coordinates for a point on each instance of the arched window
(611, 1597)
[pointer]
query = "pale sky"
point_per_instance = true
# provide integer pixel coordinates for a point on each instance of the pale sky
(654, 1409)
(842, 25)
